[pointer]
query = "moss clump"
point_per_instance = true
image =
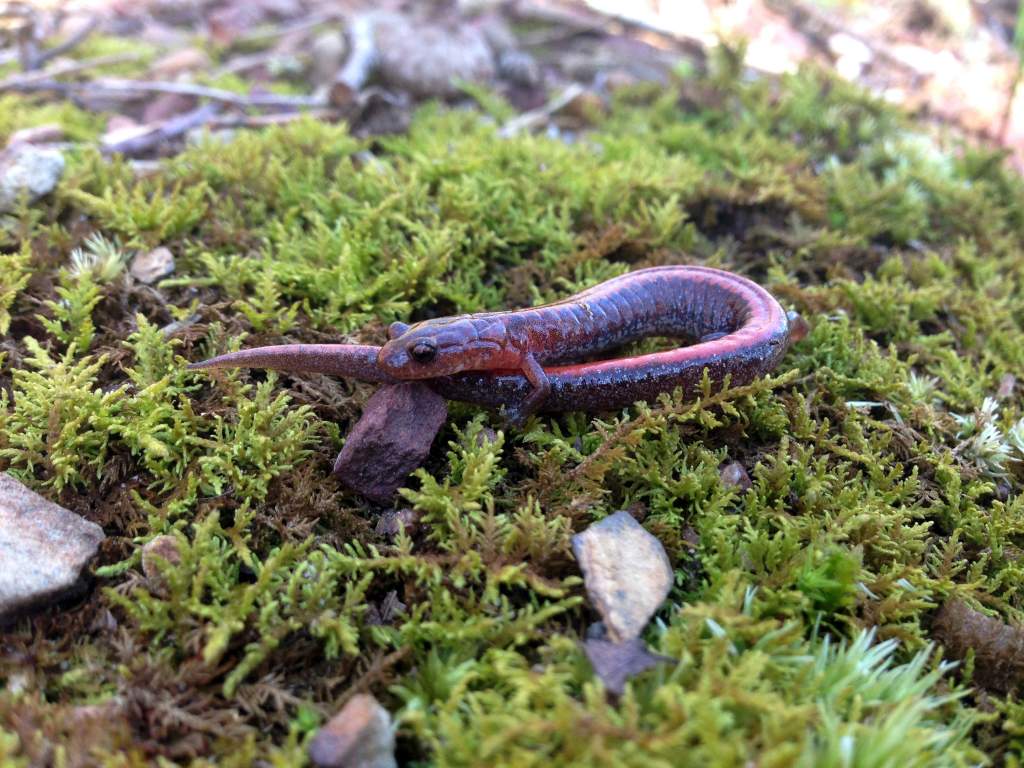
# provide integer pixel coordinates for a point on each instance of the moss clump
(886, 455)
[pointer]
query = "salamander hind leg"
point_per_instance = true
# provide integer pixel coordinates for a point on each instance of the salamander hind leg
(518, 414)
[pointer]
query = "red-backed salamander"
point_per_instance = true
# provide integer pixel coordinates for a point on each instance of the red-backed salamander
(499, 359)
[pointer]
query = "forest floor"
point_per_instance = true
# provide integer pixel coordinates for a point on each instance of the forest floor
(317, 197)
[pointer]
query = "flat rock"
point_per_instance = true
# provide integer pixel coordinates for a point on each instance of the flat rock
(28, 170)
(37, 134)
(150, 266)
(615, 663)
(390, 440)
(359, 736)
(626, 572)
(44, 549)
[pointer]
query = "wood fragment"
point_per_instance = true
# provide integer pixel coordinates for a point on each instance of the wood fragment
(25, 79)
(147, 140)
(129, 90)
(70, 44)
(534, 117)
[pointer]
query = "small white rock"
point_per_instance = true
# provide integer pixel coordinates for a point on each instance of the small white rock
(626, 572)
(29, 170)
(150, 266)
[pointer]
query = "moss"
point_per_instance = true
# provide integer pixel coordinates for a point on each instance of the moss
(886, 455)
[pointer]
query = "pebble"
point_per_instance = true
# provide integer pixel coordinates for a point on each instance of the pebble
(429, 59)
(359, 736)
(47, 133)
(615, 663)
(327, 54)
(29, 170)
(390, 440)
(626, 572)
(44, 549)
(150, 266)
(733, 475)
(161, 548)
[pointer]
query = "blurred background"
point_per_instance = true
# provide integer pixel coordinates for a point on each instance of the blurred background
(951, 62)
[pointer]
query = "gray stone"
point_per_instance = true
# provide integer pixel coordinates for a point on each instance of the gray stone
(44, 549)
(615, 663)
(359, 736)
(626, 572)
(327, 54)
(28, 170)
(150, 266)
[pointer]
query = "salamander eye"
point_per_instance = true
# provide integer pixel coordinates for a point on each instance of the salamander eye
(423, 351)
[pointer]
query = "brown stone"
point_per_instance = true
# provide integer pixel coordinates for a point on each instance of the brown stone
(359, 736)
(626, 572)
(997, 647)
(44, 549)
(156, 552)
(390, 440)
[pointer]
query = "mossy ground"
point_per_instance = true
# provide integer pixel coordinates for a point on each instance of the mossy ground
(885, 455)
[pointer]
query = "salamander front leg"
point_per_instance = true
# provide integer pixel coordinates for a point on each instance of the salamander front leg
(517, 415)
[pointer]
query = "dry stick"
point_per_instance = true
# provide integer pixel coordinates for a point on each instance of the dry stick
(287, 29)
(170, 129)
(276, 118)
(362, 58)
(15, 82)
(120, 88)
(72, 42)
(529, 119)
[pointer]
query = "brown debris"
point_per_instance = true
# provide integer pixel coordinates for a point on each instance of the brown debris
(390, 440)
(359, 736)
(998, 647)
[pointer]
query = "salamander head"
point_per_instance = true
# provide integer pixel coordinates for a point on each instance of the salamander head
(442, 347)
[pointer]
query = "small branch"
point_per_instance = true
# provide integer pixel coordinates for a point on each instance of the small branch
(120, 88)
(362, 58)
(147, 140)
(529, 119)
(71, 43)
(18, 82)
(276, 118)
(264, 36)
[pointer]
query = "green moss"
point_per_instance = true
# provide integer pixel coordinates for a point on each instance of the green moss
(886, 466)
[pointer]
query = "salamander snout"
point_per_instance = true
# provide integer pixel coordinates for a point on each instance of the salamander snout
(416, 355)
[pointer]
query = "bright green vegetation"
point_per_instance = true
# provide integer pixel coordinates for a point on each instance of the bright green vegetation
(886, 462)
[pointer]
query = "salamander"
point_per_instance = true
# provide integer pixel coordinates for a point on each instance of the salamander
(528, 360)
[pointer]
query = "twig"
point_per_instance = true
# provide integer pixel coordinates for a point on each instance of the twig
(144, 142)
(362, 58)
(72, 42)
(16, 82)
(120, 88)
(276, 118)
(529, 119)
(262, 36)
